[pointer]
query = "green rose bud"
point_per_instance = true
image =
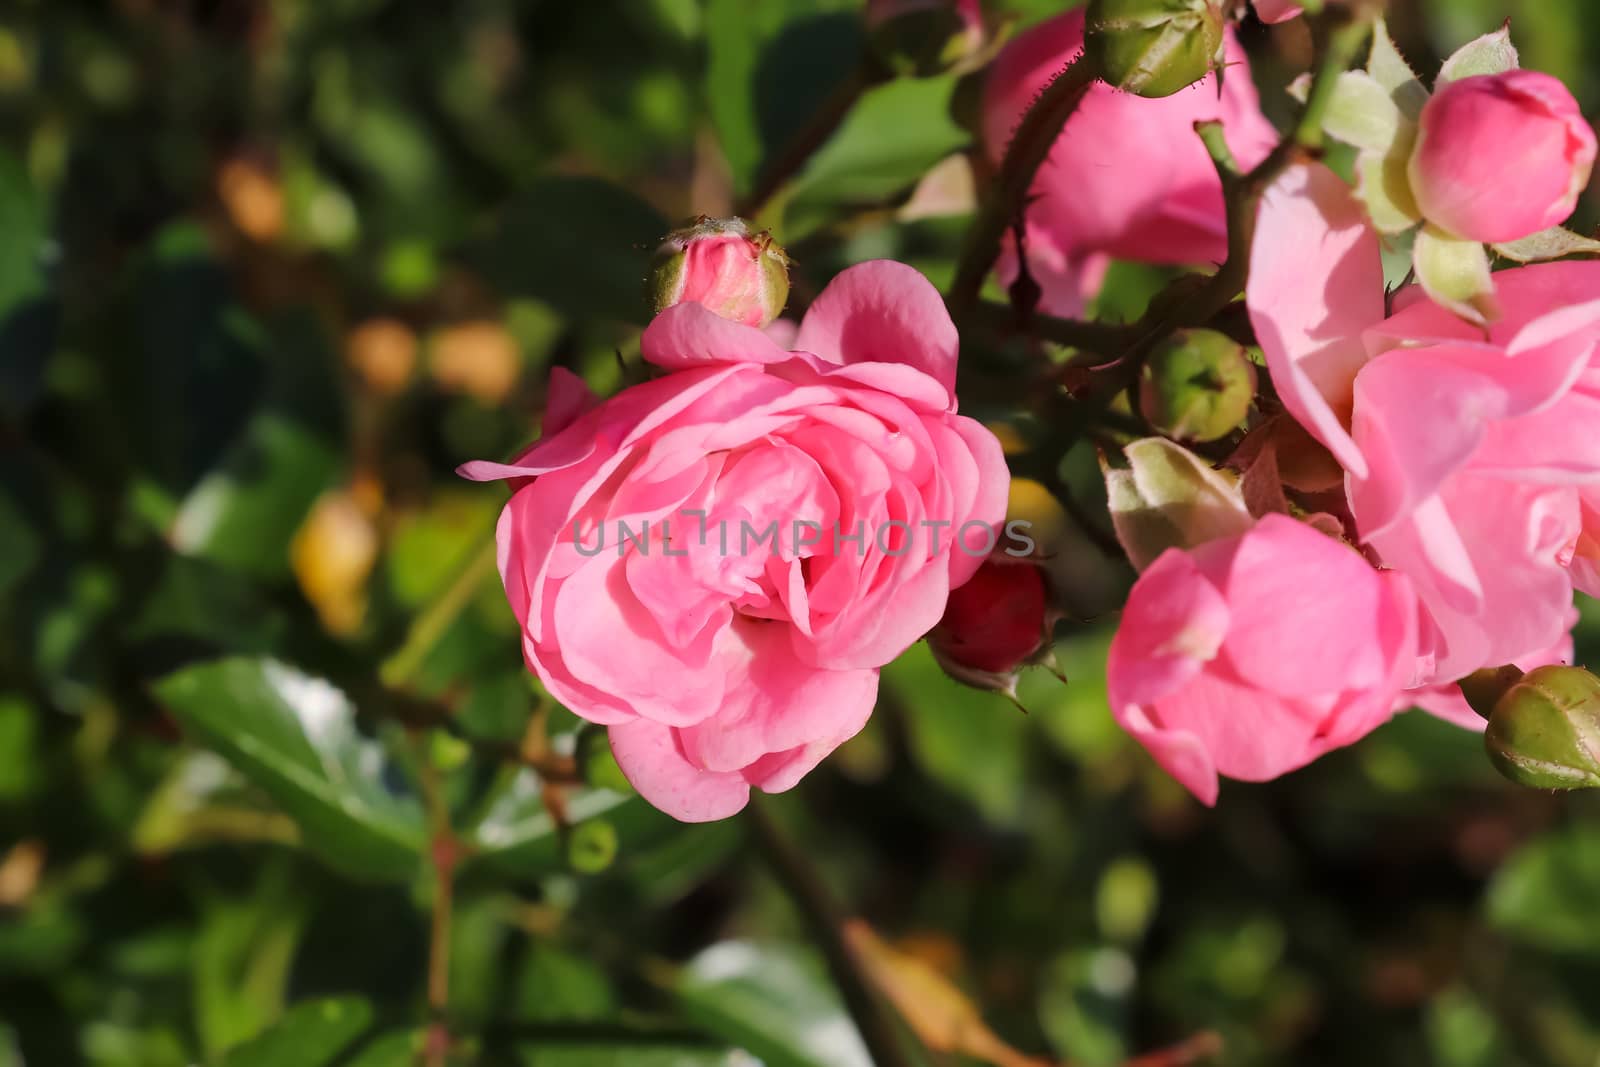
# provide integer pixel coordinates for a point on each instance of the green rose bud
(591, 846)
(1155, 47)
(1197, 385)
(596, 763)
(1545, 730)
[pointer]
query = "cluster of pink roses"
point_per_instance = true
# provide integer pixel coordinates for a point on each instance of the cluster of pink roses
(1465, 418)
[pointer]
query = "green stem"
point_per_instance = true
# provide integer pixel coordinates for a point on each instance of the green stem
(778, 174)
(426, 630)
(1102, 337)
(1029, 147)
(1243, 196)
(822, 913)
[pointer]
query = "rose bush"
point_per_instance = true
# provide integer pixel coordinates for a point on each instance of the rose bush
(720, 661)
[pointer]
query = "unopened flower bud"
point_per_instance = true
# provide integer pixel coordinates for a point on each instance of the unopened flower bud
(993, 625)
(591, 846)
(1155, 47)
(1501, 156)
(596, 764)
(1545, 730)
(1197, 385)
(924, 37)
(721, 265)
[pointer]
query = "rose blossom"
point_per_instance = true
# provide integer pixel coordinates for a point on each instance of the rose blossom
(1471, 457)
(1128, 178)
(1253, 655)
(1501, 156)
(720, 666)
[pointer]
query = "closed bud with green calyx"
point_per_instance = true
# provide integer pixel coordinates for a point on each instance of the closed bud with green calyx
(591, 846)
(1197, 385)
(722, 266)
(1155, 48)
(1544, 731)
(924, 38)
(596, 765)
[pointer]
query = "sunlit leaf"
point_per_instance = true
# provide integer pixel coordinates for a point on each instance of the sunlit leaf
(295, 737)
(312, 1034)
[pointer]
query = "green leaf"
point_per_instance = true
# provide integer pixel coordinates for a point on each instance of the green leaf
(1553, 243)
(243, 950)
(244, 513)
(295, 737)
(517, 837)
(1493, 53)
(1384, 184)
(602, 1053)
(970, 741)
(1455, 274)
(580, 244)
(311, 1034)
(1544, 895)
(1170, 498)
(773, 1000)
(895, 134)
(1389, 69)
(28, 316)
(1362, 113)
(769, 66)
(395, 1049)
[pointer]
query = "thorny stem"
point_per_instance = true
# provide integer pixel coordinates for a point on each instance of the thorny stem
(1029, 146)
(822, 913)
(1242, 193)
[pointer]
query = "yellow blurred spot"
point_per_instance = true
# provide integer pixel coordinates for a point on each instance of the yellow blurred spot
(1010, 438)
(384, 353)
(1032, 503)
(253, 199)
(19, 872)
(332, 555)
(479, 358)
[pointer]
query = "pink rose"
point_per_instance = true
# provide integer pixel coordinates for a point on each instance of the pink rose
(1501, 156)
(1129, 178)
(1446, 701)
(1253, 655)
(636, 547)
(1471, 458)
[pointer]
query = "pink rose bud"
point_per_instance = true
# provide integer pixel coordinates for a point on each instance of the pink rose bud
(1501, 156)
(924, 37)
(992, 625)
(720, 265)
(1251, 656)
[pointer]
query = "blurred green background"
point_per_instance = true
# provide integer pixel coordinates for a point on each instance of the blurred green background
(269, 269)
